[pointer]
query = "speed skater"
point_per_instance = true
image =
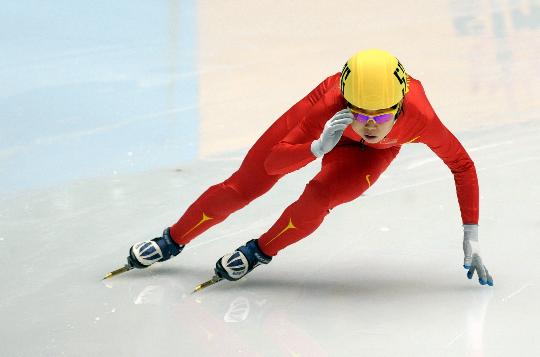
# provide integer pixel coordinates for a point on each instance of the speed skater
(355, 120)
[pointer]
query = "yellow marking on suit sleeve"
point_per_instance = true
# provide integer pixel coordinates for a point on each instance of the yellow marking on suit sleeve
(289, 226)
(368, 181)
(204, 219)
(413, 140)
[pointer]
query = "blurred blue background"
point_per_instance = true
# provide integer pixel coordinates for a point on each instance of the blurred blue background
(95, 88)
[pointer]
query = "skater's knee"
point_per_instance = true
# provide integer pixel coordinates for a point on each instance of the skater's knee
(316, 197)
(249, 187)
(235, 193)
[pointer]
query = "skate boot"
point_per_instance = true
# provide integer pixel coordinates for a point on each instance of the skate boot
(160, 249)
(244, 259)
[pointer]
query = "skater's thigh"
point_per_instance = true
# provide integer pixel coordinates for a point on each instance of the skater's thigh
(348, 171)
(252, 175)
(256, 156)
(253, 164)
(262, 147)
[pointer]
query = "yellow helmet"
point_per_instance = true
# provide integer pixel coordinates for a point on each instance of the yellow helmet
(373, 79)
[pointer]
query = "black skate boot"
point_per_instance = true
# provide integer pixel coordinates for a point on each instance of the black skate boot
(159, 249)
(244, 259)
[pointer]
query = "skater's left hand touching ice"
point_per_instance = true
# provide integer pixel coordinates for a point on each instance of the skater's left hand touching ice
(473, 260)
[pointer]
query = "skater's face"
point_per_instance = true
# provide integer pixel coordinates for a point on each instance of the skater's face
(373, 125)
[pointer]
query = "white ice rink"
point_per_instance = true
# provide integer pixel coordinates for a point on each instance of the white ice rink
(115, 116)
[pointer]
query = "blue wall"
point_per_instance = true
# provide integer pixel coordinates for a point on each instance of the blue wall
(95, 88)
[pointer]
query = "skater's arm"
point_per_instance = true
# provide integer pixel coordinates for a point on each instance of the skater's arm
(449, 149)
(294, 150)
(293, 156)
(443, 143)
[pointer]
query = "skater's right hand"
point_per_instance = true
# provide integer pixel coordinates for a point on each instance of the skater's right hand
(333, 129)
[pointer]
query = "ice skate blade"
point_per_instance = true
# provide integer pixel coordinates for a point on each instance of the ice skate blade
(206, 284)
(118, 271)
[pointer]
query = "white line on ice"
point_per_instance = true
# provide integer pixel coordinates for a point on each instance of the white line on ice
(405, 187)
(10, 151)
(516, 292)
(442, 178)
(489, 146)
(255, 225)
(220, 159)
(414, 165)
(520, 161)
(454, 340)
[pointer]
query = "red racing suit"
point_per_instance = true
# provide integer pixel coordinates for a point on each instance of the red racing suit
(346, 171)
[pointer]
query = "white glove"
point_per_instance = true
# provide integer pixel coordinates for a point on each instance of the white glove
(472, 260)
(333, 129)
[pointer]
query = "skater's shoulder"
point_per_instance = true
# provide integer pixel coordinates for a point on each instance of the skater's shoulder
(415, 88)
(331, 83)
(334, 78)
(416, 101)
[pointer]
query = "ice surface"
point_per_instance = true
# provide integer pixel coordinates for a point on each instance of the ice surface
(382, 276)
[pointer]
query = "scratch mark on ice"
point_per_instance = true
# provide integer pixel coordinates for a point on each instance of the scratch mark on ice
(516, 292)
